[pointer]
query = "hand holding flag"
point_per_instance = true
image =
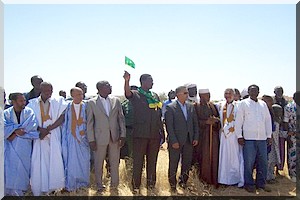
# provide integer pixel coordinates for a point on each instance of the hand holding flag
(126, 76)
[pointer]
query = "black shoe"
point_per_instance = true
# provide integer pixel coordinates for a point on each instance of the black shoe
(249, 189)
(265, 188)
(173, 190)
(272, 181)
(63, 191)
(182, 185)
(101, 188)
(150, 187)
(136, 191)
(51, 193)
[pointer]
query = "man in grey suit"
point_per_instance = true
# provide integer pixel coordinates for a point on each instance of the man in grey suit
(106, 132)
(183, 135)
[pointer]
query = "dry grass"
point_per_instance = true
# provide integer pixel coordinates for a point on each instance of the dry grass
(196, 188)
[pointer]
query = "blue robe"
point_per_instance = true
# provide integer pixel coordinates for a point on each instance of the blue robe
(76, 151)
(17, 153)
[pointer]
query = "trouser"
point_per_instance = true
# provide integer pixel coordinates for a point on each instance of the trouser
(186, 153)
(150, 148)
(255, 151)
(114, 157)
(92, 160)
(126, 150)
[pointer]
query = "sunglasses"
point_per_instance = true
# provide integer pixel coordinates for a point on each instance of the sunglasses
(184, 93)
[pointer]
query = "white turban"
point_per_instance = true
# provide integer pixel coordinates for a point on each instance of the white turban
(190, 85)
(203, 91)
(244, 93)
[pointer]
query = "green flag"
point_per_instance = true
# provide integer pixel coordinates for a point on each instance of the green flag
(129, 62)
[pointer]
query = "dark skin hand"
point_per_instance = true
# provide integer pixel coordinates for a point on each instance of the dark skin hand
(17, 132)
(57, 123)
(43, 132)
(175, 145)
(212, 121)
(241, 141)
(20, 132)
(195, 143)
(93, 146)
(121, 142)
(269, 141)
(12, 137)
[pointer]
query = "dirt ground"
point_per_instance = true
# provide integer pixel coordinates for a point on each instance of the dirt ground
(284, 187)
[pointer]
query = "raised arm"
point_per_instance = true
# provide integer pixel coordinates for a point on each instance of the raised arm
(127, 91)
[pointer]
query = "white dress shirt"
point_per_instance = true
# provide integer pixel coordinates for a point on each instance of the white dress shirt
(253, 119)
(106, 104)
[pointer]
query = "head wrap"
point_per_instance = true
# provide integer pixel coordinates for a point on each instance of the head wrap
(244, 93)
(190, 85)
(203, 91)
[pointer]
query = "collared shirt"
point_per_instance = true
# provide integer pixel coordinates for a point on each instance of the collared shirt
(253, 120)
(106, 104)
(183, 108)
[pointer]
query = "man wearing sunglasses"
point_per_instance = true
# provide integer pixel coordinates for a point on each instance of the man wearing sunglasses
(183, 134)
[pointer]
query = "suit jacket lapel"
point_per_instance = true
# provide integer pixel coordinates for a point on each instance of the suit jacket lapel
(100, 105)
(179, 107)
(112, 104)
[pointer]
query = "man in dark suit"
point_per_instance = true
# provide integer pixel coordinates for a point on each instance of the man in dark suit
(147, 129)
(183, 135)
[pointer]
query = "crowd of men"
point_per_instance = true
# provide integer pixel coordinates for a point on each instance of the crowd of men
(52, 144)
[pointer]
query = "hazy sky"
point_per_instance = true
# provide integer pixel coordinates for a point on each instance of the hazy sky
(213, 46)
